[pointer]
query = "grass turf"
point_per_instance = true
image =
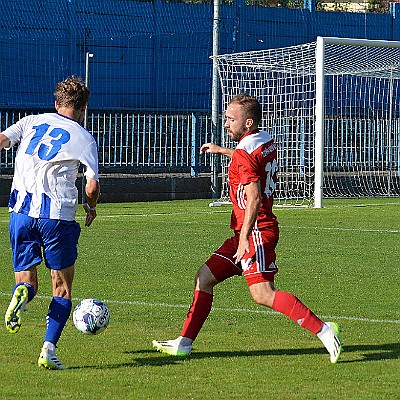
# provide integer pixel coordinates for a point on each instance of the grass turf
(141, 258)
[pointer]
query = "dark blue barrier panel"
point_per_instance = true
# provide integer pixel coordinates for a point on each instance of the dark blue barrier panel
(149, 55)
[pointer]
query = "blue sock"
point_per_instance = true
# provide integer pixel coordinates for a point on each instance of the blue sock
(31, 290)
(57, 317)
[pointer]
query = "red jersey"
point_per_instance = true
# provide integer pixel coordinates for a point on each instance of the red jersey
(254, 159)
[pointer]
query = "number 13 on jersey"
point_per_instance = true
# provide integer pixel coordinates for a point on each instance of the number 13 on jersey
(47, 152)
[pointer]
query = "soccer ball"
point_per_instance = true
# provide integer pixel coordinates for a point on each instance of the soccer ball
(91, 316)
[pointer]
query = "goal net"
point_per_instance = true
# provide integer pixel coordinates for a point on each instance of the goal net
(333, 107)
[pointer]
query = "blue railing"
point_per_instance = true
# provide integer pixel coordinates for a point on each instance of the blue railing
(137, 142)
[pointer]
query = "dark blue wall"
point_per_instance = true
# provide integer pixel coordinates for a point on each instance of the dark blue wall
(149, 55)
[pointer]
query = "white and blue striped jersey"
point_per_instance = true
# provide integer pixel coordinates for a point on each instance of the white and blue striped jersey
(51, 147)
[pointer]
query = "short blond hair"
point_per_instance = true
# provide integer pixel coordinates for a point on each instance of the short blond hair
(72, 93)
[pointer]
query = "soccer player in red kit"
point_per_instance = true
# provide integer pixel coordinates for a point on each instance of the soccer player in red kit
(252, 175)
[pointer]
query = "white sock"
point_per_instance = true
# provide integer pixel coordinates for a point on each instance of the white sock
(325, 334)
(50, 347)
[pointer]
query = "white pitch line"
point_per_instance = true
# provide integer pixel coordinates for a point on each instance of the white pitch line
(282, 226)
(237, 310)
(321, 228)
(146, 215)
(166, 214)
(342, 229)
(102, 216)
(229, 211)
(364, 205)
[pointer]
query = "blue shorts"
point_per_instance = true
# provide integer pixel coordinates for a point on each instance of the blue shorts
(33, 239)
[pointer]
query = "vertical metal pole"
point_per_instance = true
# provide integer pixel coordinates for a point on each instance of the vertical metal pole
(390, 143)
(87, 58)
(194, 155)
(319, 122)
(215, 134)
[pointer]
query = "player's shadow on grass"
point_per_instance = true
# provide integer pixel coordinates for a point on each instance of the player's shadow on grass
(367, 353)
(376, 352)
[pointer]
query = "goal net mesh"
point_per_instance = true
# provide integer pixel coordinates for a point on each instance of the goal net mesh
(361, 117)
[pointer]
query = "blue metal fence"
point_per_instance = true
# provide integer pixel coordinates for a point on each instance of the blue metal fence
(139, 142)
(151, 61)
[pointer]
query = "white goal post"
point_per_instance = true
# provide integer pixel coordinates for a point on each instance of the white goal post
(333, 107)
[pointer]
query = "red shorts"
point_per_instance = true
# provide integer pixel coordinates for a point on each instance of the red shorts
(256, 266)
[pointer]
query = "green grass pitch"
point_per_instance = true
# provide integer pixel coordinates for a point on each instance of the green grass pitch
(141, 258)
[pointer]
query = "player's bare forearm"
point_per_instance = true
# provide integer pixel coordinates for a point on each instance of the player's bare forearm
(253, 202)
(212, 148)
(250, 217)
(4, 142)
(92, 190)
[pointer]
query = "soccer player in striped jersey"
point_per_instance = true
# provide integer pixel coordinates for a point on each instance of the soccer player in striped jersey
(43, 204)
(252, 175)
